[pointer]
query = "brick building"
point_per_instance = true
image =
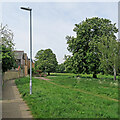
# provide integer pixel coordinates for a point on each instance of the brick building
(22, 61)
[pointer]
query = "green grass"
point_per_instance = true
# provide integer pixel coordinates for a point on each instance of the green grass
(104, 85)
(66, 96)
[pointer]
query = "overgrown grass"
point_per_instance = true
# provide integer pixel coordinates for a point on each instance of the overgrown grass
(68, 96)
(104, 85)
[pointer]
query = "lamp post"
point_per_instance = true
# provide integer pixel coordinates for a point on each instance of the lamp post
(30, 10)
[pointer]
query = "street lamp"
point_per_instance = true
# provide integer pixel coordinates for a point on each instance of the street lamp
(29, 9)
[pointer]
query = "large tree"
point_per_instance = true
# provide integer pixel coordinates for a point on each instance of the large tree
(8, 59)
(84, 47)
(46, 61)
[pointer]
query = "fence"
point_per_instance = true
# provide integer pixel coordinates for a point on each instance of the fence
(12, 74)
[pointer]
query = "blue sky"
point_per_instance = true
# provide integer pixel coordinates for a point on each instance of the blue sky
(52, 22)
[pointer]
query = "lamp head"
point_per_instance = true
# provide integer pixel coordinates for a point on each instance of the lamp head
(29, 9)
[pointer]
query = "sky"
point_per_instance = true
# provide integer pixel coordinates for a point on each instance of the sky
(52, 22)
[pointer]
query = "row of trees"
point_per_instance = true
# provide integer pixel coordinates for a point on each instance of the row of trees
(94, 49)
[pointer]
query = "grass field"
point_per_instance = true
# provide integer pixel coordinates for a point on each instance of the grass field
(68, 96)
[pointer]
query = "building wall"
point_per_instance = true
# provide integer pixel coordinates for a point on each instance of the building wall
(22, 62)
(26, 59)
(26, 70)
(33, 64)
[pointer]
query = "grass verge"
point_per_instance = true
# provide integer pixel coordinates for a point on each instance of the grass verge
(53, 101)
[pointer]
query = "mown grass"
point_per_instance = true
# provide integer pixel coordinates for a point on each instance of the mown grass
(64, 100)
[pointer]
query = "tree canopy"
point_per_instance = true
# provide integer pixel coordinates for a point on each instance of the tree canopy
(84, 47)
(45, 60)
(110, 55)
(8, 59)
(60, 68)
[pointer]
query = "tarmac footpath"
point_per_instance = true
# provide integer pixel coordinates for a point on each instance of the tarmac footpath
(13, 105)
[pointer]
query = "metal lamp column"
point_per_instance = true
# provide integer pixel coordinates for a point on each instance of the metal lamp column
(28, 9)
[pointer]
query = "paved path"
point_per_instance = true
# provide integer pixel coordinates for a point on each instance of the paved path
(42, 78)
(13, 105)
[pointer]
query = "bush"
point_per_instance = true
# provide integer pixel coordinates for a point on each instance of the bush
(39, 71)
(43, 74)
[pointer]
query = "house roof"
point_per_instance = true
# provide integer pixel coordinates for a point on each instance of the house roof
(19, 54)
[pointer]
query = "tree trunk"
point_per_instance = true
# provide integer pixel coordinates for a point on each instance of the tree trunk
(114, 73)
(48, 73)
(94, 75)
